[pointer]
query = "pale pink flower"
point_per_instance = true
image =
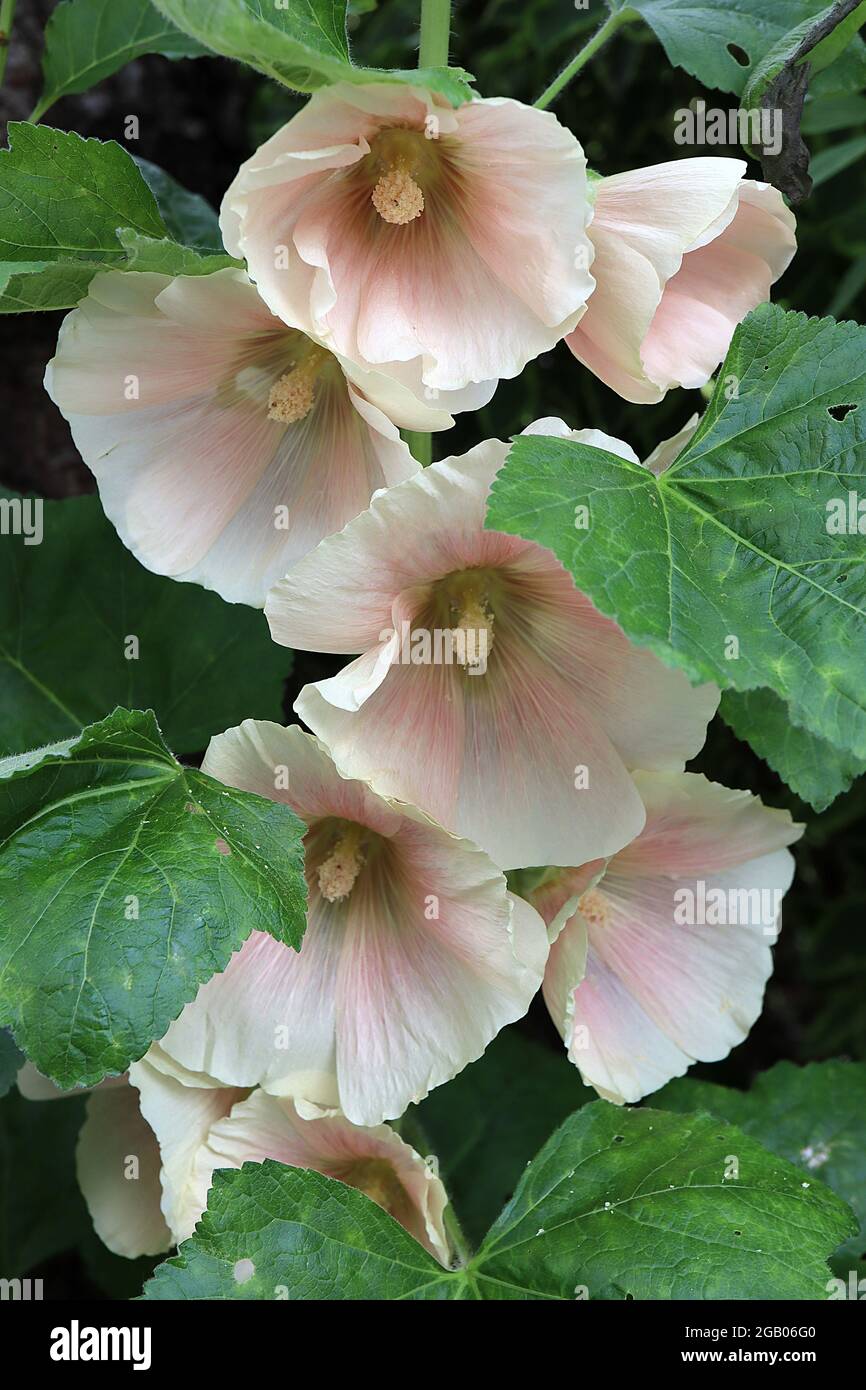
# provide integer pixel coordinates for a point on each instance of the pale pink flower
(414, 956)
(518, 721)
(660, 956)
(683, 251)
(443, 246)
(224, 444)
(151, 1142)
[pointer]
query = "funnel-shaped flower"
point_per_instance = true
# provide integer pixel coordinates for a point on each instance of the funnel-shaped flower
(151, 1143)
(683, 251)
(442, 246)
(660, 956)
(225, 445)
(413, 959)
(490, 692)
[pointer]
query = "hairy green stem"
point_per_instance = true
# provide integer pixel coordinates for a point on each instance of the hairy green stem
(435, 33)
(601, 36)
(433, 53)
(7, 15)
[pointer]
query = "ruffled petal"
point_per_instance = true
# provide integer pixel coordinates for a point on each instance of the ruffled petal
(166, 386)
(501, 227)
(649, 974)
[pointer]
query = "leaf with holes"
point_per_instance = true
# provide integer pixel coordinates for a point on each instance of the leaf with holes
(720, 44)
(618, 1203)
(303, 45)
(126, 881)
(813, 1116)
(744, 562)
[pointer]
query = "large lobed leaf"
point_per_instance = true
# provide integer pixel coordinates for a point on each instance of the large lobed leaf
(301, 43)
(813, 1116)
(201, 664)
(723, 564)
(721, 44)
(126, 881)
(617, 1204)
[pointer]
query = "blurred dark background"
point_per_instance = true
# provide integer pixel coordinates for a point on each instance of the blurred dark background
(199, 119)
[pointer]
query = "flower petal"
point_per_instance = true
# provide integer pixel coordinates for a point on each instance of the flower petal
(166, 386)
(118, 1171)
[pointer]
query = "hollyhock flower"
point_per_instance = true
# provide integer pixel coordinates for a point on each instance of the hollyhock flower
(661, 954)
(224, 444)
(414, 957)
(683, 251)
(152, 1141)
(442, 246)
(490, 691)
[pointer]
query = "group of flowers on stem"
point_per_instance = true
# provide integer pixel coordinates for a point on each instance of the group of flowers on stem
(243, 427)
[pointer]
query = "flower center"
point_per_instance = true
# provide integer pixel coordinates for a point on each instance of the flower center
(337, 873)
(401, 165)
(293, 394)
(397, 197)
(473, 615)
(594, 908)
(378, 1181)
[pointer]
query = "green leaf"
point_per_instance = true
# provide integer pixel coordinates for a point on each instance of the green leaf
(484, 1146)
(87, 40)
(126, 881)
(11, 1060)
(837, 158)
(42, 1212)
(189, 218)
(301, 44)
(619, 1203)
(634, 1203)
(201, 664)
(70, 207)
(308, 1236)
(813, 768)
(731, 541)
(63, 197)
(721, 44)
(166, 257)
(26, 286)
(813, 1116)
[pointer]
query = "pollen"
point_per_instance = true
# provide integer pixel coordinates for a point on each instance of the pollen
(337, 874)
(397, 197)
(474, 623)
(594, 908)
(293, 394)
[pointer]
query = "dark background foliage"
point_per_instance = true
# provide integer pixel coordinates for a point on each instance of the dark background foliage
(199, 119)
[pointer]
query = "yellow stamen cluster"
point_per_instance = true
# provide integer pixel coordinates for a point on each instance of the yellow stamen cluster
(397, 197)
(474, 615)
(293, 394)
(337, 873)
(594, 908)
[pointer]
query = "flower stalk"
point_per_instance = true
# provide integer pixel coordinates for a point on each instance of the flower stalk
(600, 37)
